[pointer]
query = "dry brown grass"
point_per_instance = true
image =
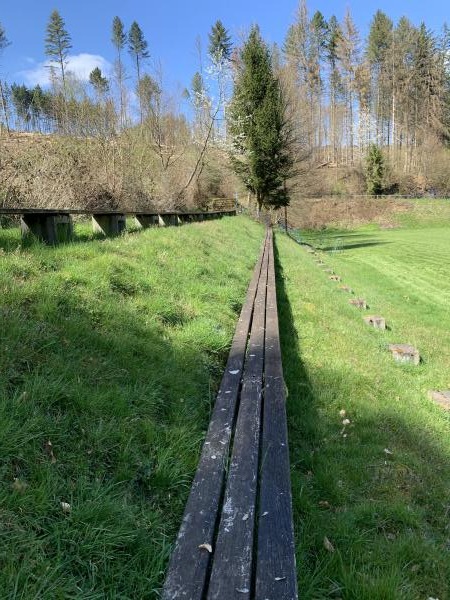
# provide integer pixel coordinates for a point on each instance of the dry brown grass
(54, 171)
(345, 212)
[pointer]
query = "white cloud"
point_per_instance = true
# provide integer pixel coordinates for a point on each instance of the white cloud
(79, 64)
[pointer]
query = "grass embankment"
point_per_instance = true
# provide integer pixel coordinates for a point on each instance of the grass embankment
(349, 212)
(379, 487)
(110, 356)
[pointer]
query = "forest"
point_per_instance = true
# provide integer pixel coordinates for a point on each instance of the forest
(366, 115)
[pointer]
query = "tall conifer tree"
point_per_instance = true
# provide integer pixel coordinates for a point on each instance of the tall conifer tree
(138, 48)
(261, 135)
(219, 43)
(57, 44)
(119, 40)
(3, 43)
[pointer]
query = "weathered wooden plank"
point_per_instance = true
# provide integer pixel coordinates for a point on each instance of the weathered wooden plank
(189, 564)
(276, 577)
(231, 575)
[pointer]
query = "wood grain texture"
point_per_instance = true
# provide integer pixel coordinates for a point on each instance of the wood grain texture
(189, 564)
(231, 575)
(276, 577)
(243, 511)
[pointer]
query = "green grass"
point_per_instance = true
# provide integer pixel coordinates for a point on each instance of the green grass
(112, 352)
(425, 213)
(385, 513)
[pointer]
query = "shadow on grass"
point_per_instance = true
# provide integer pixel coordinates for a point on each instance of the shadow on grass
(338, 247)
(11, 238)
(99, 408)
(385, 511)
(301, 409)
(340, 240)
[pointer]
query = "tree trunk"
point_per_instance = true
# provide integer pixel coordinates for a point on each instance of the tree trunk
(4, 107)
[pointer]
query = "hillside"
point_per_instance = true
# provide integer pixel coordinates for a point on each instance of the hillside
(110, 356)
(349, 212)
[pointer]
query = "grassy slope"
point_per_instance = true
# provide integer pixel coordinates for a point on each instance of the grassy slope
(385, 514)
(350, 213)
(112, 351)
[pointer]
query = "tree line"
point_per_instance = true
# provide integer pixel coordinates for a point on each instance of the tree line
(55, 109)
(325, 98)
(391, 90)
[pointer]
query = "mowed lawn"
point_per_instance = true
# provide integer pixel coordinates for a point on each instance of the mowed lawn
(110, 356)
(371, 497)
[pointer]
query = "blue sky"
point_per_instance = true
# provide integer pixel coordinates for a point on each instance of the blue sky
(170, 27)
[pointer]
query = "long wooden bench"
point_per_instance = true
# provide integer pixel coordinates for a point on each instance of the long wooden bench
(236, 539)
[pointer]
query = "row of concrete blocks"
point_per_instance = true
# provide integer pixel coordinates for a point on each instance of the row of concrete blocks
(403, 353)
(54, 228)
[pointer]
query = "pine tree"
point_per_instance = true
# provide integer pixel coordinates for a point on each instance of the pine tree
(374, 170)
(119, 40)
(98, 82)
(119, 37)
(319, 31)
(444, 64)
(332, 55)
(3, 43)
(138, 48)
(148, 91)
(261, 135)
(58, 43)
(3, 39)
(379, 55)
(348, 51)
(22, 99)
(220, 45)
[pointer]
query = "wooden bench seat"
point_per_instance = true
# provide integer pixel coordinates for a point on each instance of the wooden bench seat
(236, 538)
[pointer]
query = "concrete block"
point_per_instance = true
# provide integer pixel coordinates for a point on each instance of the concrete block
(51, 228)
(375, 321)
(405, 353)
(442, 398)
(109, 224)
(358, 302)
(165, 220)
(144, 221)
(185, 218)
(346, 288)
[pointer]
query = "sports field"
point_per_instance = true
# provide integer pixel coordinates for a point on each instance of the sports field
(371, 497)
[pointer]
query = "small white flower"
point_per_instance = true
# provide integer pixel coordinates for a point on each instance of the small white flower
(342, 413)
(66, 507)
(346, 422)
